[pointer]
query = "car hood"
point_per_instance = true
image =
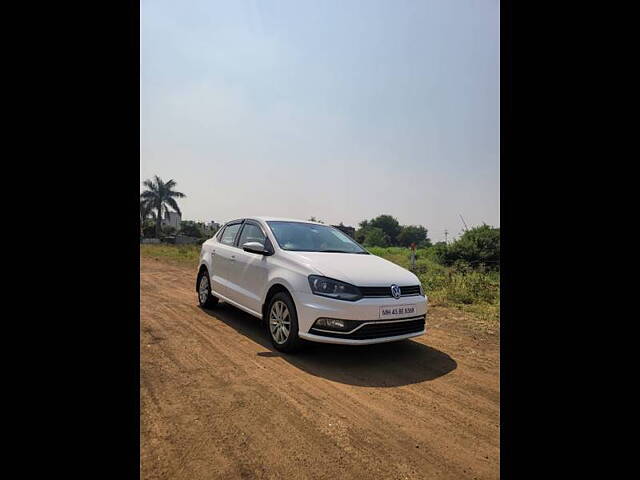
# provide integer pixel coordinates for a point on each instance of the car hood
(359, 270)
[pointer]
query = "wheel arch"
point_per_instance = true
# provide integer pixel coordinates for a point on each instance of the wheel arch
(203, 268)
(277, 287)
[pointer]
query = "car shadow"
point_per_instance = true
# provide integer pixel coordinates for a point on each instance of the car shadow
(383, 365)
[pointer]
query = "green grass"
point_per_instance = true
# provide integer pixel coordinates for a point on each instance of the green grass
(475, 293)
(183, 254)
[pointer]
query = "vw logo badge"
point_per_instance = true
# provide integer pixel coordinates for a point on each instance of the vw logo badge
(395, 291)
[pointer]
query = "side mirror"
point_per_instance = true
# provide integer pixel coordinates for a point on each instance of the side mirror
(255, 247)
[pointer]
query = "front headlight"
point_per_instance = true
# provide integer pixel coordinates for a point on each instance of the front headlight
(328, 287)
(421, 290)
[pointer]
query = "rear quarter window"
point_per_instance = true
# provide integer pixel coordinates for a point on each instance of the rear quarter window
(229, 234)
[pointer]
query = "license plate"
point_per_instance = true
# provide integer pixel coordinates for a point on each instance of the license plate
(397, 311)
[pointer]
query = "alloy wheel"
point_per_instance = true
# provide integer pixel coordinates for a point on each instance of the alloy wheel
(203, 291)
(279, 322)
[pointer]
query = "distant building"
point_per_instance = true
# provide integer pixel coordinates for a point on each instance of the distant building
(351, 231)
(172, 219)
(210, 228)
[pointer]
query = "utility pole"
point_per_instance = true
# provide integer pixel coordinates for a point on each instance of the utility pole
(463, 222)
(445, 236)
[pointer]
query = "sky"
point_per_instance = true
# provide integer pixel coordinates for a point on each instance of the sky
(338, 109)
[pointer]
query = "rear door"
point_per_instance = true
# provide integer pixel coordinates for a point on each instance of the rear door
(251, 268)
(223, 258)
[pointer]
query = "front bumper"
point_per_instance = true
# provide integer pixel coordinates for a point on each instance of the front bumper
(371, 330)
(346, 341)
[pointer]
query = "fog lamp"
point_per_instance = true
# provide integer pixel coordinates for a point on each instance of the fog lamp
(331, 323)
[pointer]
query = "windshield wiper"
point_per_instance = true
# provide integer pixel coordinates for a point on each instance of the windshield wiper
(338, 251)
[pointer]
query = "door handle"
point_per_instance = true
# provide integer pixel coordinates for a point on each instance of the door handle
(233, 258)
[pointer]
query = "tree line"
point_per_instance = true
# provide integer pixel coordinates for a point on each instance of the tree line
(476, 247)
(386, 231)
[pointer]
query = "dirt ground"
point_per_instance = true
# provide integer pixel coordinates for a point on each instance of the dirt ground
(217, 401)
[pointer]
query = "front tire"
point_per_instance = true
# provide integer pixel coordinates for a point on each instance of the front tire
(205, 298)
(282, 323)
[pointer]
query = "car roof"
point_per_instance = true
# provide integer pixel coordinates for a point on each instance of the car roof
(280, 219)
(273, 219)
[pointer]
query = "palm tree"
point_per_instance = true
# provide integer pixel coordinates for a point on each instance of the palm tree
(146, 211)
(160, 196)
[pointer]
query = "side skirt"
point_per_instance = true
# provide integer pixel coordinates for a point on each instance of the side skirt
(237, 305)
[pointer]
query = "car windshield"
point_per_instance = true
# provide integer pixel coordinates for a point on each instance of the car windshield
(309, 237)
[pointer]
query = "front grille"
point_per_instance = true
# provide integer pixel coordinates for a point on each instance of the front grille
(412, 290)
(378, 330)
(375, 291)
(386, 291)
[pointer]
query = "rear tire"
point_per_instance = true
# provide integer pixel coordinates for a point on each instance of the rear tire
(282, 323)
(205, 298)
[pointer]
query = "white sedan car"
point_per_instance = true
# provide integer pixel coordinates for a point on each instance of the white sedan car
(309, 281)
